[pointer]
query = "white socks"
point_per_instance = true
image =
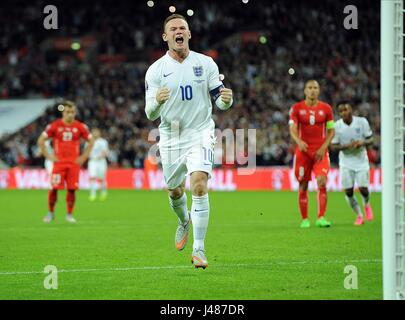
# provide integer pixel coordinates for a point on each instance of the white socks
(93, 188)
(352, 201)
(200, 211)
(103, 187)
(179, 206)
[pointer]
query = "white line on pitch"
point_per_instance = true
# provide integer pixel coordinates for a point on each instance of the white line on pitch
(239, 265)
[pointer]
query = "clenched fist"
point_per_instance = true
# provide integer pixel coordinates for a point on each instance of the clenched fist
(226, 95)
(162, 95)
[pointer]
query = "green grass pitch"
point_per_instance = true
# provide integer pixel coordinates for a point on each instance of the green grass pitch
(124, 249)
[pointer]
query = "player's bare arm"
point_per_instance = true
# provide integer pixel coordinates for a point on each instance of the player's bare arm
(330, 133)
(360, 143)
(339, 147)
(86, 152)
(342, 147)
(41, 143)
(302, 145)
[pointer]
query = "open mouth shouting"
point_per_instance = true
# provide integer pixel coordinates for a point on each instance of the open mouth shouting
(179, 40)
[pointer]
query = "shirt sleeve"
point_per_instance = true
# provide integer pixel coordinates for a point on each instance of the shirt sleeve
(293, 115)
(50, 130)
(330, 123)
(84, 130)
(329, 113)
(336, 139)
(214, 84)
(366, 129)
(152, 83)
(105, 146)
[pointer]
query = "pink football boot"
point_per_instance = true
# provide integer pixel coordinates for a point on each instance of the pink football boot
(369, 212)
(359, 221)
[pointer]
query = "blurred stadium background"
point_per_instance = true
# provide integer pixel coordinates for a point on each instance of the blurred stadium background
(98, 58)
(99, 55)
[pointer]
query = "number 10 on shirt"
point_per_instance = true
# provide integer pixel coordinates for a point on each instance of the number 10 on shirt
(186, 93)
(208, 155)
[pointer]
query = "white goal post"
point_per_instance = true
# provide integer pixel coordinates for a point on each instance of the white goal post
(392, 148)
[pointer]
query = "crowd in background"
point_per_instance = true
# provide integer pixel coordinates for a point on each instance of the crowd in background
(257, 44)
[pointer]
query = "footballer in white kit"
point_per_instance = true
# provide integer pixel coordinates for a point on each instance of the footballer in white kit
(352, 136)
(178, 90)
(48, 164)
(97, 166)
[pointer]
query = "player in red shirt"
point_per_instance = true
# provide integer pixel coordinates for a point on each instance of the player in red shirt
(66, 134)
(312, 128)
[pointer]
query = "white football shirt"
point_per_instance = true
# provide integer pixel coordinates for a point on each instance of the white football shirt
(100, 146)
(48, 146)
(359, 129)
(189, 106)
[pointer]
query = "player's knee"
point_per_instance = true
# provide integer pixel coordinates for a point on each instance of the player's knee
(364, 191)
(321, 182)
(349, 192)
(303, 187)
(176, 193)
(199, 188)
(199, 181)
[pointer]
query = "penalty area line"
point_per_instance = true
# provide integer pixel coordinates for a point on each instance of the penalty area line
(237, 265)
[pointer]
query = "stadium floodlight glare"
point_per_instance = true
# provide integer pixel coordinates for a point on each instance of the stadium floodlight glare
(245, 1)
(263, 40)
(150, 4)
(172, 9)
(291, 71)
(75, 46)
(190, 12)
(392, 144)
(221, 77)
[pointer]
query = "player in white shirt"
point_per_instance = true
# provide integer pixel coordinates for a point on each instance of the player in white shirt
(179, 87)
(97, 166)
(352, 136)
(48, 164)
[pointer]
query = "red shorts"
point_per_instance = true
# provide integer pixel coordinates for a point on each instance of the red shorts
(305, 164)
(65, 172)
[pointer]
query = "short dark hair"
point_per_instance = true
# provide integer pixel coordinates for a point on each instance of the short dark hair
(343, 102)
(310, 80)
(66, 104)
(171, 17)
(69, 104)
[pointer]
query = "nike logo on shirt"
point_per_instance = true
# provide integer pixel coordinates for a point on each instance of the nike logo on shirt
(166, 75)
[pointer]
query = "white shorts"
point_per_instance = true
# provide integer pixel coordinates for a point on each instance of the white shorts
(97, 168)
(182, 160)
(349, 177)
(48, 164)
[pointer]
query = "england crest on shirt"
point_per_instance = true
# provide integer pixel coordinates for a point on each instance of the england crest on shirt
(198, 71)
